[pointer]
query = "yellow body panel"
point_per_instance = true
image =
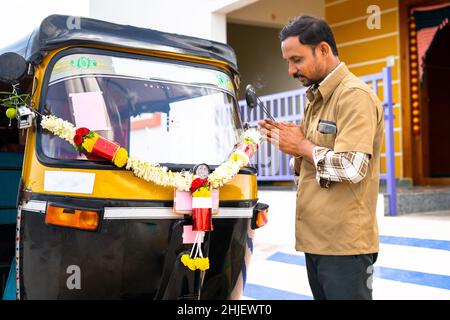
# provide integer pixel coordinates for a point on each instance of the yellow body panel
(122, 184)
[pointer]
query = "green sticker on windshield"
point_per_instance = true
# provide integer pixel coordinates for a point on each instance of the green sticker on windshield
(224, 82)
(221, 79)
(83, 63)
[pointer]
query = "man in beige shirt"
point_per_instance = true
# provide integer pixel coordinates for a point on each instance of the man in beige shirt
(337, 149)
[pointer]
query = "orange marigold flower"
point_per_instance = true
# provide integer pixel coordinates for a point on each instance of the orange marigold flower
(88, 143)
(121, 157)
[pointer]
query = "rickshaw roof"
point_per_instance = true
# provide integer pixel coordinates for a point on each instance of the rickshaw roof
(57, 31)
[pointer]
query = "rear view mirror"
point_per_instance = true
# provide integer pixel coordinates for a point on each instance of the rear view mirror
(13, 67)
(253, 100)
(250, 96)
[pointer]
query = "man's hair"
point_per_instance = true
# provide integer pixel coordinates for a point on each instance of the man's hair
(310, 31)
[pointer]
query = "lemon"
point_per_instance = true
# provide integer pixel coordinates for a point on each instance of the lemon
(11, 113)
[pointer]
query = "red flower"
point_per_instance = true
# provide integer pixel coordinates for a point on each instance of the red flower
(197, 183)
(82, 131)
(78, 139)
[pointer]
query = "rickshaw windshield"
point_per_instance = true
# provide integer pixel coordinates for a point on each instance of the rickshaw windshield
(159, 111)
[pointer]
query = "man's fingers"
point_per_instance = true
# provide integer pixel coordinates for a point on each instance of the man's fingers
(264, 131)
(270, 133)
(289, 124)
(275, 137)
(273, 140)
(265, 134)
(271, 124)
(265, 125)
(261, 123)
(268, 126)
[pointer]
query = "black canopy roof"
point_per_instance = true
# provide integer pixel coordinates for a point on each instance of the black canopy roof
(58, 31)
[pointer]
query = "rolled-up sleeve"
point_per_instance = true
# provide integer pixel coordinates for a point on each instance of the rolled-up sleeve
(357, 122)
(334, 166)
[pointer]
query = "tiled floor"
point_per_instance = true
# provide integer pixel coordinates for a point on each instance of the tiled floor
(413, 262)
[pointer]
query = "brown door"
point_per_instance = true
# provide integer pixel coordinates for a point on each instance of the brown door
(437, 104)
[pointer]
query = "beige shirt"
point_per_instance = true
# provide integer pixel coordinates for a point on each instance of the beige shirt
(341, 220)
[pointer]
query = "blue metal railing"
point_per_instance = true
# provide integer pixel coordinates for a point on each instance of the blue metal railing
(273, 165)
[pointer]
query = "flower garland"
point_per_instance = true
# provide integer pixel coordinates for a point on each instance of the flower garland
(197, 261)
(83, 138)
(201, 222)
(200, 188)
(59, 127)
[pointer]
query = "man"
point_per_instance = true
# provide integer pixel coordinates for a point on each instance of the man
(337, 151)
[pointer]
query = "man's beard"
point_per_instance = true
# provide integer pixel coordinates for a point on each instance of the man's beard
(304, 80)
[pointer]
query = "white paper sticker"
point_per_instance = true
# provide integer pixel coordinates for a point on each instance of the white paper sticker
(69, 181)
(89, 110)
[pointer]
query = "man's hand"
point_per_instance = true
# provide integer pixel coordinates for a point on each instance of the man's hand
(288, 137)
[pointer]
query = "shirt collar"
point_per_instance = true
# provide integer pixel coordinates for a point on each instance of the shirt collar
(311, 92)
(330, 83)
(331, 73)
(327, 85)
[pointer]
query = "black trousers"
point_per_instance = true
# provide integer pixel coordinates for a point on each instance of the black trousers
(340, 277)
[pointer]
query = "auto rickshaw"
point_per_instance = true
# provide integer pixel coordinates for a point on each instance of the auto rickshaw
(76, 226)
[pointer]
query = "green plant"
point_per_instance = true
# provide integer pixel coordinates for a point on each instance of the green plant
(13, 100)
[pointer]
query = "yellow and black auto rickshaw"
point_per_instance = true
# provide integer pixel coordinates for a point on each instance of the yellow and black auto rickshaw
(81, 216)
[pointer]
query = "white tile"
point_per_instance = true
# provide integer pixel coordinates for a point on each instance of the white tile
(414, 259)
(384, 289)
(280, 276)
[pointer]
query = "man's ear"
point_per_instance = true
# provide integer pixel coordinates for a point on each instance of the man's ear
(324, 48)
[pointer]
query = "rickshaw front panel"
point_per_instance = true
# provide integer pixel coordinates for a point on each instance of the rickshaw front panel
(130, 255)
(126, 259)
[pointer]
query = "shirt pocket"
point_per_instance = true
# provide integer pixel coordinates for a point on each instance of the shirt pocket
(325, 133)
(326, 127)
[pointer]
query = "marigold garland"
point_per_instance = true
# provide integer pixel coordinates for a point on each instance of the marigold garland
(195, 263)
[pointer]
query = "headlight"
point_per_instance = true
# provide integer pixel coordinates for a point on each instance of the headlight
(201, 170)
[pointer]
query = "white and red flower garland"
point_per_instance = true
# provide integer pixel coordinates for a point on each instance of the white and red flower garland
(150, 171)
(84, 139)
(201, 222)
